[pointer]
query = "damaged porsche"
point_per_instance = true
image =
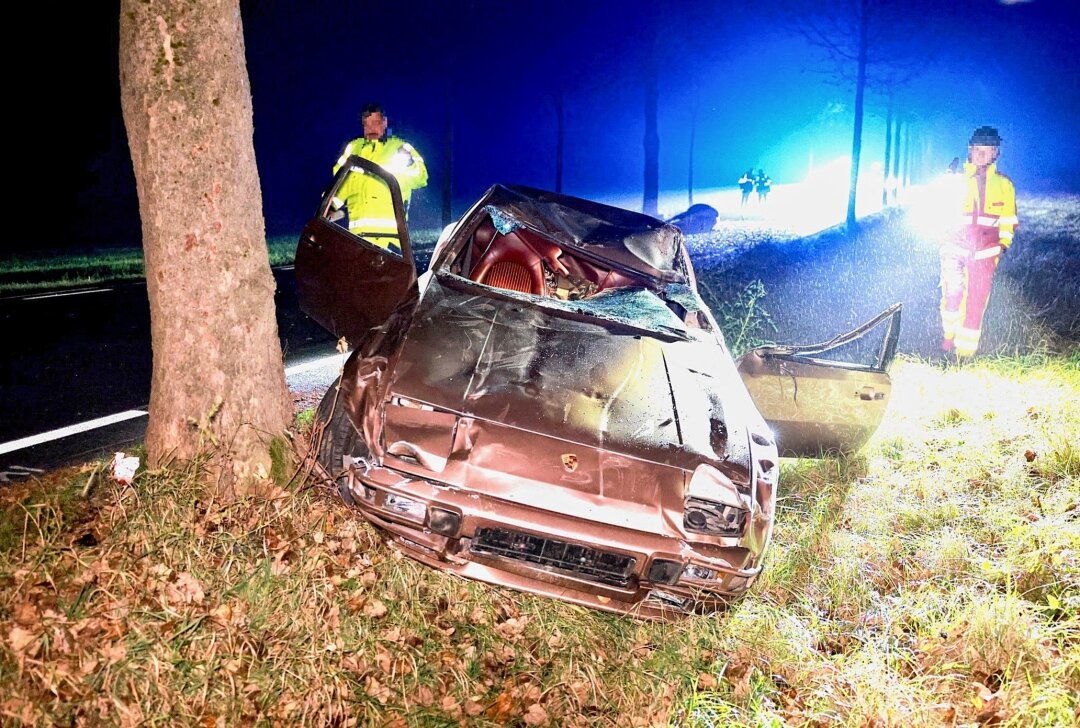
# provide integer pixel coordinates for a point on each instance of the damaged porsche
(551, 406)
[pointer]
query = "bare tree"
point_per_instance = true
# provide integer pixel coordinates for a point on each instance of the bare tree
(867, 44)
(218, 381)
(650, 198)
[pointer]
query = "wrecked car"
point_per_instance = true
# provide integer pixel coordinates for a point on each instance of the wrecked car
(551, 406)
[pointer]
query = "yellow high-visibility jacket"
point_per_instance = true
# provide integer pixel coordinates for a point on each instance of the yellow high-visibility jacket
(367, 198)
(989, 214)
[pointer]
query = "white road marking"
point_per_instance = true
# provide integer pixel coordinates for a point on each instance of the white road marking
(65, 293)
(24, 442)
(6, 447)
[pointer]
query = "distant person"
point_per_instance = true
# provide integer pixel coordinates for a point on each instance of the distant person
(969, 257)
(954, 166)
(365, 200)
(763, 185)
(746, 185)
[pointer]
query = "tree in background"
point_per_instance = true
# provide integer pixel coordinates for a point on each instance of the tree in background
(218, 380)
(876, 44)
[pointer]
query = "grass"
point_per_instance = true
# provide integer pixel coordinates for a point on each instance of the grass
(934, 578)
(63, 269)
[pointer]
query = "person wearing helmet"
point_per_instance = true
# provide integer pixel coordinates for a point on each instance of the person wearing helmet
(365, 200)
(969, 258)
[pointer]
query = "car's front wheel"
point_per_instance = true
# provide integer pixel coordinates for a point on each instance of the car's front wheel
(335, 439)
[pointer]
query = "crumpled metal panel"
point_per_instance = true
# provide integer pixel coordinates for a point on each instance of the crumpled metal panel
(528, 367)
(634, 241)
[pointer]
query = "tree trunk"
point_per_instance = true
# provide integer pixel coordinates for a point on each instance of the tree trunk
(888, 150)
(690, 157)
(652, 136)
(907, 158)
(448, 159)
(218, 382)
(856, 136)
(560, 138)
(900, 128)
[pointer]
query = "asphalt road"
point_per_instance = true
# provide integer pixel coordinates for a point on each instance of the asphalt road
(72, 357)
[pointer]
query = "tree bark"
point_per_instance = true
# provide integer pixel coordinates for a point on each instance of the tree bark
(448, 158)
(560, 138)
(888, 150)
(900, 127)
(218, 382)
(860, 89)
(690, 156)
(650, 199)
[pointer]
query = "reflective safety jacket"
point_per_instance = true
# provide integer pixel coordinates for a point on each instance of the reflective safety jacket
(367, 198)
(988, 212)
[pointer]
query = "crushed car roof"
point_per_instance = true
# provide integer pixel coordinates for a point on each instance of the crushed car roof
(635, 241)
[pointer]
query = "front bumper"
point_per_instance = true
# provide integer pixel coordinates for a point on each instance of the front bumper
(592, 564)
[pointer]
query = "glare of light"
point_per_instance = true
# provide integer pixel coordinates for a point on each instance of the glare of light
(933, 210)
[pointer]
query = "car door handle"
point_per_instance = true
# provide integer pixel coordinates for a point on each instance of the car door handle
(869, 394)
(311, 242)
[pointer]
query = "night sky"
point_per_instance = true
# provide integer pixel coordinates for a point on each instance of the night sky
(764, 96)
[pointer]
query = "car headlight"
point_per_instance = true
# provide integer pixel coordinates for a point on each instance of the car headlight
(717, 519)
(713, 504)
(700, 573)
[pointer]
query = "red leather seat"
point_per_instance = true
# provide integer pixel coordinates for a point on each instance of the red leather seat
(515, 261)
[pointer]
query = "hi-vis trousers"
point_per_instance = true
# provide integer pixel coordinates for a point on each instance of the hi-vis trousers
(966, 276)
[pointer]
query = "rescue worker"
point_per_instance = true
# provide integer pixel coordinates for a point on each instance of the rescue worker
(763, 185)
(969, 257)
(746, 185)
(365, 199)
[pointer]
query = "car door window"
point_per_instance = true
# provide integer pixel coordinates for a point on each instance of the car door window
(816, 400)
(354, 263)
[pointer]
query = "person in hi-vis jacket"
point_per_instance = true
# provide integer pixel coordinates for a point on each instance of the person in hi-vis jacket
(987, 219)
(365, 199)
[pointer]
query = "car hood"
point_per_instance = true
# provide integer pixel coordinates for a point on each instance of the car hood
(591, 384)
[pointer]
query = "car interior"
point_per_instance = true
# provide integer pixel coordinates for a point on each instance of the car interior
(525, 261)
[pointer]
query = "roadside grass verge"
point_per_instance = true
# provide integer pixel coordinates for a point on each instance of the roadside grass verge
(932, 579)
(61, 269)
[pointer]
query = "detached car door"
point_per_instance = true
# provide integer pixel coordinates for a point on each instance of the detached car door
(352, 270)
(825, 397)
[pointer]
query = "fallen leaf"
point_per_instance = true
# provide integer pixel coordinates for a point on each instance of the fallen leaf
(512, 627)
(26, 614)
(20, 639)
(1029, 455)
(377, 690)
(375, 609)
(946, 712)
(706, 681)
(185, 590)
(535, 715)
(473, 706)
(502, 709)
(114, 653)
(450, 705)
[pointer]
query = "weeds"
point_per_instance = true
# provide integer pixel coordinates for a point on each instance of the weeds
(743, 321)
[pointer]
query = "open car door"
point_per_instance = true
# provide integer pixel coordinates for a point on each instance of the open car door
(352, 272)
(815, 398)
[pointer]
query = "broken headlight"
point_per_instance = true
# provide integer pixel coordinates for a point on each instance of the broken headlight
(715, 519)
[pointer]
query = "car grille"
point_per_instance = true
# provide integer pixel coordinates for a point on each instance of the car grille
(581, 561)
